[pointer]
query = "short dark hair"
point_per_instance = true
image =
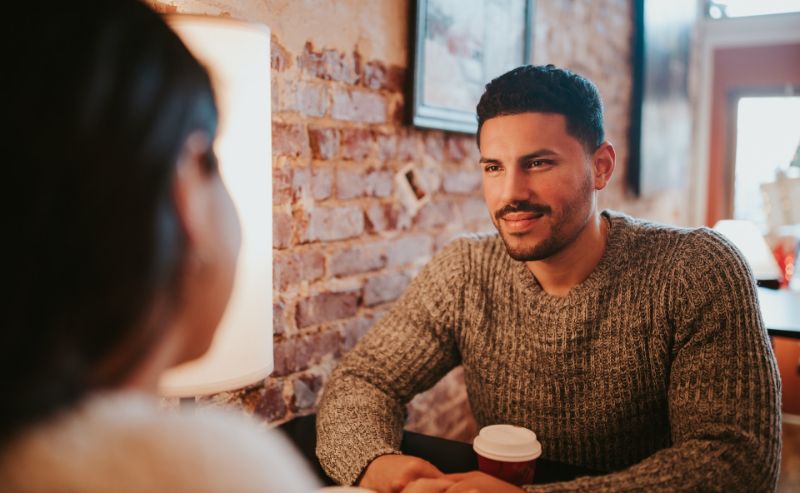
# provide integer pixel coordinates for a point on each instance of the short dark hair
(546, 89)
(104, 96)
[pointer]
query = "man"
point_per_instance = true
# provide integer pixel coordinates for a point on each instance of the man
(629, 347)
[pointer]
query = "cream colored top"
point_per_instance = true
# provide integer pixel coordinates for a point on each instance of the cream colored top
(125, 443)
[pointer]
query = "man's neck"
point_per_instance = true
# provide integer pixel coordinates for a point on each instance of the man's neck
(572, 265)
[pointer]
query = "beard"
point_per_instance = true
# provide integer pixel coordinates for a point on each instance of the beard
(565, 226)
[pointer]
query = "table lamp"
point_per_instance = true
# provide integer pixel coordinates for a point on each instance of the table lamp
(749, 240)
(237, 56)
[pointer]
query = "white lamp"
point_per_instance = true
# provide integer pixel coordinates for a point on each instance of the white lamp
(748, 239)
(237, 55)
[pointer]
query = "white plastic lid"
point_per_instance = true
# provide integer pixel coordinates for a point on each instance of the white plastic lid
(507, 443)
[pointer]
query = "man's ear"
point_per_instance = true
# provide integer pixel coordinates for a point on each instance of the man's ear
(189, 187)
(603, 162)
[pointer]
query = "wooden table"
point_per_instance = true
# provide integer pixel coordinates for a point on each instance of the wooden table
(780, 309)
(448, 455)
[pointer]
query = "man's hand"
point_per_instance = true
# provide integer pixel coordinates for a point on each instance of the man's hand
(391, 473)
(478, 482)
(427, 485)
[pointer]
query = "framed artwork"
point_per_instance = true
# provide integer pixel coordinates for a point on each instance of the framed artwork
(459, 46)
(661, 116)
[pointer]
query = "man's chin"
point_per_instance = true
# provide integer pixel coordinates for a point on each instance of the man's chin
(527, 250)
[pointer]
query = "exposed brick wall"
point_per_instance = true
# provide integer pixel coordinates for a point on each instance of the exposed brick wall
(344, 246)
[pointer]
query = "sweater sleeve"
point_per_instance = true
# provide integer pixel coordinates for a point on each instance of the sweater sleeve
(724, 391)
(362, 411)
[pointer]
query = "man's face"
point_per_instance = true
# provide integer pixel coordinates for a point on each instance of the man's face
(537, 183)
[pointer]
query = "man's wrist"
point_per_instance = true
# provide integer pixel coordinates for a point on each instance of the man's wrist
(369, 463)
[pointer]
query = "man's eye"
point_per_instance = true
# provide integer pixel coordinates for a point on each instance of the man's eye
(491, 168)
(537, 163)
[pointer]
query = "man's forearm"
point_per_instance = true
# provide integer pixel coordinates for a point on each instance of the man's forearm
(356, 424)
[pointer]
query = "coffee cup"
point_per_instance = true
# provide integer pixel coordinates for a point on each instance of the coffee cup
(508, 452)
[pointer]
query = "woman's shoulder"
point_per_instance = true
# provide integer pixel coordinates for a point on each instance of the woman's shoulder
(125, 442)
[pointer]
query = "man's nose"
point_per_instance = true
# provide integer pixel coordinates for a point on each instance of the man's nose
(515, 187)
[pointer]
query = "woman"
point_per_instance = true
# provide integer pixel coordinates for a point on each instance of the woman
(120, 259)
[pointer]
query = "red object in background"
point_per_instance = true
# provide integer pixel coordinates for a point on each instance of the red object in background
(517, 473)
(786, 256)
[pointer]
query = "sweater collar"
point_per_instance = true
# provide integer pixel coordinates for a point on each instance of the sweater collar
(610, 263)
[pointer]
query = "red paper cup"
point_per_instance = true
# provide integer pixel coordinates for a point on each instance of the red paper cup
(508, 452)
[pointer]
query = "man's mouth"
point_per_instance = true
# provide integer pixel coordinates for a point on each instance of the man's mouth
(518, 222)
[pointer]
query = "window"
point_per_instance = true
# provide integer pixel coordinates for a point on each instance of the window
(721, 9)
(767, 138)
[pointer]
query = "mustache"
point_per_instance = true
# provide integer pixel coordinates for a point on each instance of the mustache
(522, 207)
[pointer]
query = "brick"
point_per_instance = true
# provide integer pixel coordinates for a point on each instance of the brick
(306, 390)
(279, 318)
(301, 352)
(331, 223)
(290, 268)
(326, 307)
(324, 142)
(312, 99)
(435, 214)
(381, 217)
(379, 183)
(408, 146)
(387, 146)
(284, 95)
(409, 248)
(301, 183)
(161, 8)
(384, 288)
(354, 105)
(283, 357)
(279, 59)
(271, 405)
(349, 183)
(356, 143)
(289, 139)
(444, 238)
(327, 65)
(353, 330)
(328, 342)
(321, 183)
(376, 75)
(281, 229)
(434, 145)
(461, 181)
(353, 183)
(292, 355)
(474, 210)
(281, 185)
(357, 259)
(398, 111)
(456, 148)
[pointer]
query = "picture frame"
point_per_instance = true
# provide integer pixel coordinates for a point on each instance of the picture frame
(661, 114)
(459, 46)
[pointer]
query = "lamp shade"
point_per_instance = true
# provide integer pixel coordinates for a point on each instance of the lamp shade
(237, 55)
(749, 240)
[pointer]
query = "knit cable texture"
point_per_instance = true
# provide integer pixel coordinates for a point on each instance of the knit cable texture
(656, 368)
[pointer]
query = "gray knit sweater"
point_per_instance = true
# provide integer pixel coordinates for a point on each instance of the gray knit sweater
(656, 368)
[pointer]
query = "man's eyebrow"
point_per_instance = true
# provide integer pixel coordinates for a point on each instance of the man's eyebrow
(539, 153)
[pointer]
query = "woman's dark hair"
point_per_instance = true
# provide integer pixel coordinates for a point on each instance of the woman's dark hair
(103, 97)
(547, 89)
